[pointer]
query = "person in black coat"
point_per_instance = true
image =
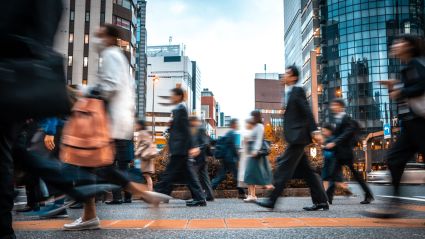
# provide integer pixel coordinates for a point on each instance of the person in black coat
(181, 148)
(299, 128)
(411, 51)
(343, 143)
(201, 140)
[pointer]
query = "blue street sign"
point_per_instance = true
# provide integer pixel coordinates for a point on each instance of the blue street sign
(387, 131)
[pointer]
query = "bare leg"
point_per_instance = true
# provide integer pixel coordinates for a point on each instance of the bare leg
(148, 181)
(89, 210)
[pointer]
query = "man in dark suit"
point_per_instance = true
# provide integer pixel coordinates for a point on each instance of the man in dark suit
(344, 140)
(229, 163)
(299, 127)
(180, 148)
(199, 164)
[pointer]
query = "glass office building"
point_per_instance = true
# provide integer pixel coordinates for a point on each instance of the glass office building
(356, 37)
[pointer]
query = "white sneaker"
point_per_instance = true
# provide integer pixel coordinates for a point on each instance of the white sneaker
(79, 225)
(250, 199)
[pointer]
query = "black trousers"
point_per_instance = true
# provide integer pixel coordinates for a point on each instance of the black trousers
(227, 167)
(410, 142)
(177, 168)
(201, 169)
(332, 186)
(123, 156)
(294, 159)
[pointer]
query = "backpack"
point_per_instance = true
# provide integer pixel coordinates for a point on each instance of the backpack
(86, 139)
(220, 148)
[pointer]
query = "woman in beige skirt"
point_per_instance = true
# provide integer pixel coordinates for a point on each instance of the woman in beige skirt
(145, 152)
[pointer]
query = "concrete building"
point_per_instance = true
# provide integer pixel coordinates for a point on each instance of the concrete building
(196, 88)
(173, 69)
(141, 59)
(209, 103)
(227, 120)
(80, 21)
(269, 98)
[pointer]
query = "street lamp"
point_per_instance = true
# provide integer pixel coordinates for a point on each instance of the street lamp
(154, 80)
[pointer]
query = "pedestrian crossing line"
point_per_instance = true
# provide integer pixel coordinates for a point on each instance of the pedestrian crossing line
(231, 223)
(403, 198)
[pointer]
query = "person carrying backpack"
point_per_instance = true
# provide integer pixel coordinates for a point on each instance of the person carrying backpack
(228, 153)
(343, 143)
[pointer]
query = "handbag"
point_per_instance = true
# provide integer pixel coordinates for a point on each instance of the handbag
(32, 83)
(265, 149)
(86, 139)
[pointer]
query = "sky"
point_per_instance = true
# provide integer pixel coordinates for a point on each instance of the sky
(230, 40)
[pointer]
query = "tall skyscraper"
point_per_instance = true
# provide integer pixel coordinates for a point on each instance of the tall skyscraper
(345, 47)
(81, 19)
(141, 59)
(356, 37)
(196, 87)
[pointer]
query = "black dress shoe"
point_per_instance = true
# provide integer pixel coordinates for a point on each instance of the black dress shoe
(127, 200)
(318, 206)
(201, 203)
(210, 199)
(265, 203)
(368, 199)
(114, 202)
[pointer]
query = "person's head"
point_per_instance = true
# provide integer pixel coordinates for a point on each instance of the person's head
(337, 105)
(234, 124)
(194, 121)
(177, 95)
(249, 124)
(327, 130)
(256, 117)
(406, 47)
(291, 75)
(140, 125)
(106, 36)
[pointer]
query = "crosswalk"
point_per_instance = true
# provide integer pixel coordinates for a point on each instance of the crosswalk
(414, 198)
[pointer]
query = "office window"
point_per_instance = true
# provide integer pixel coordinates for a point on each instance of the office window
(85, 61)
(71, 15)
(86, 38)
(69, 60)
(87, 16)
(71, 37)
(123, 3)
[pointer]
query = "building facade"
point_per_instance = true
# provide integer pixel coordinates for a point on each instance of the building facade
(172, 68)
(208, 104)
(141, 59)
(81, 19)
(196, 88)
(269, 98)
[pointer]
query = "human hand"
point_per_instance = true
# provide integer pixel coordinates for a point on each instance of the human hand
(194, 152)
(330, 145)
(49, 142)
(395, 94)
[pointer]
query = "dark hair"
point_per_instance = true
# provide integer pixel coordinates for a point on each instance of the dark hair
(417, 44)
(256, 116)
(178, 92)
(112, 31)
(339, 101)
(193, 118)
(294, 70)
(327, 126)
(142, 124)
(233, 122)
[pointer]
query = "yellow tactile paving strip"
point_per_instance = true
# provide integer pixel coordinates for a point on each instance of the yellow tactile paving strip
(232, 223)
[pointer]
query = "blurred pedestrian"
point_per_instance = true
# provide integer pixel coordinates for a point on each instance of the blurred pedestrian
(343, 142)
(299, 130)
(200, 139)
(145, 152)
(181, 149)
(228, 150)
(409, 92)
(258, 171)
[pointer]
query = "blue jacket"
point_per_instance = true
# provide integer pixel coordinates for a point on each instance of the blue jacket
(232, 151)
(49, 125)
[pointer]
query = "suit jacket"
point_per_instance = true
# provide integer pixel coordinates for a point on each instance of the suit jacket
(180, 140)
(344, 138)
(232, 151)
(200, 139)
(299, 122)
